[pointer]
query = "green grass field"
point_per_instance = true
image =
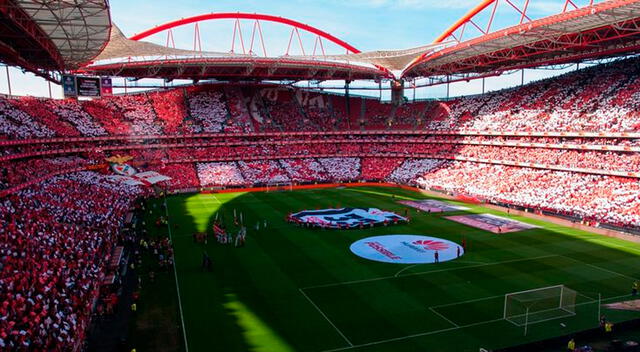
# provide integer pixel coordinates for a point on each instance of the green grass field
(295, 289)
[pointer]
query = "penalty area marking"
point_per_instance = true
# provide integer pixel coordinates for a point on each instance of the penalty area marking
(443, 317)
(457, 327)
(325, 317)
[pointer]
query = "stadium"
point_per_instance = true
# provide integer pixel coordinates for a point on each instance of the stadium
(245, 181)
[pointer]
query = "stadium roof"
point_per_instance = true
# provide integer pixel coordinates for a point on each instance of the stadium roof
(52, 35)
(131, 58)
(69, 34)
(605, 29)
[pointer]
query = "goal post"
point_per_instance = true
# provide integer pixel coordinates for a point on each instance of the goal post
(538, 305)
(279, 186)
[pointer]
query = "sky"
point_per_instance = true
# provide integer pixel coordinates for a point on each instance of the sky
(365, 24)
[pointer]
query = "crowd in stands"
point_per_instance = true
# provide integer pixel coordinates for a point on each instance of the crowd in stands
(171, 109)
(284, 112)
(304, 170)
(379, 168)
(40, 110)
(137, 109)
(408, 115)
(263, 172)
(208, 110)
(55, 236)
(341, 169)
(71, 110)
(18, 172)
(15, 123)
(409, 169)
(240, 120)
(183, 175)
(377, 115)
(55, 241)
(599, 98)
(220, 174)
(613, 200)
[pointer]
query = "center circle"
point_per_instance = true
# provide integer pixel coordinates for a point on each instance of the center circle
(406, 249)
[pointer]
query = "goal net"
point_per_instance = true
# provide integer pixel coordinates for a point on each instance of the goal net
(279, 186)
(538, 305)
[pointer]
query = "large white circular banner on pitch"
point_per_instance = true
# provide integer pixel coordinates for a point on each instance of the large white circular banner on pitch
(406, 249)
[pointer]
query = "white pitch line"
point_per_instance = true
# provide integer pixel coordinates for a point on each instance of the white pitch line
(467, 301)
(608, 244)
(443, 317)
(412, 336)
(457, 261)
(406, 268)
(216, 199)
(325, 316)
(469, 262)
(175, 274)
(430, 272)
(602, 269)
(443, 330)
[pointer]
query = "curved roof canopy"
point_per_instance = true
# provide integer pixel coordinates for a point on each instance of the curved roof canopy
(53, 35)
(69, 34)
(136, 58)
(606, 29)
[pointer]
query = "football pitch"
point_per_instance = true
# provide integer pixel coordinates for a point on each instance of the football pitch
(299, 289)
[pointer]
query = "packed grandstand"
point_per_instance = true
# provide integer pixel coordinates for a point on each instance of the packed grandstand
(577, 158)
(566, 146)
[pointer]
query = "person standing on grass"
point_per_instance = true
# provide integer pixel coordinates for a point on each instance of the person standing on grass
(634, 288)
(458, 252)
(571, 345)
(436, 257)
(608, 328)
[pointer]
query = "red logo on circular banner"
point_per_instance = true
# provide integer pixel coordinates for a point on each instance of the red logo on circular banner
(432, 245)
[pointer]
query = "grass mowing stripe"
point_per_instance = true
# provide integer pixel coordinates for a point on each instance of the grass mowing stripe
(383, 314)
(429, 272)
(325, 316)
(175, 274)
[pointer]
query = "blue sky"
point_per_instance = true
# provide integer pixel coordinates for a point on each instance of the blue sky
(365, 24)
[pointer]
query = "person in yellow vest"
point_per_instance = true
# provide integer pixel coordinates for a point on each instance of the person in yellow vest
(634, 288)
(134, 307)
(571, 345)
(608, 327)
